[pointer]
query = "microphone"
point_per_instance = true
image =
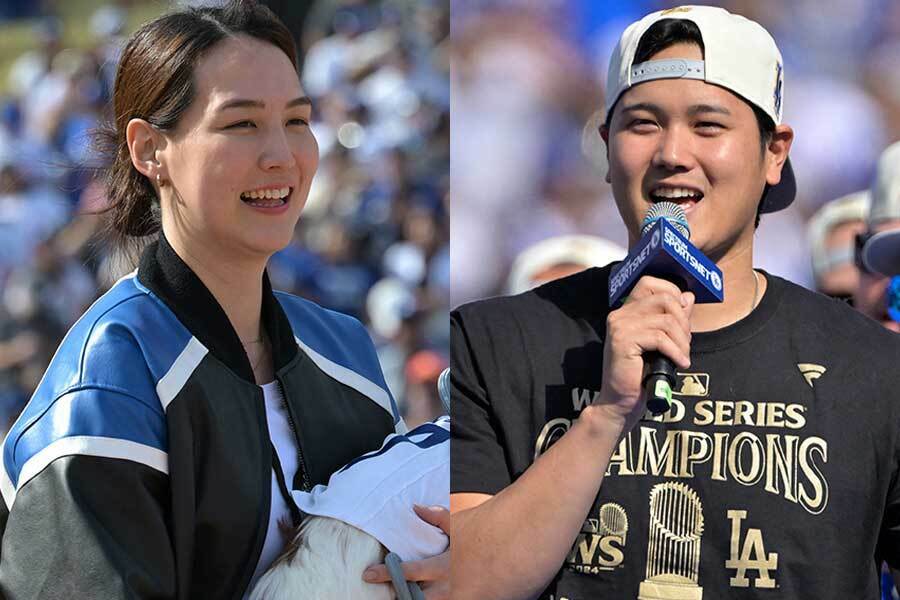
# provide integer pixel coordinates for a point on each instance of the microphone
(665, 252)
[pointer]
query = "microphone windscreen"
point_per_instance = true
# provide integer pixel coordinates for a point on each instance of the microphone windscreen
(670, 211)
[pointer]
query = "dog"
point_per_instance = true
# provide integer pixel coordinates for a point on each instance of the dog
(365, 511)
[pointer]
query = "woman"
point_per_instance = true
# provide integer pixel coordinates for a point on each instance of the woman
(190, 387)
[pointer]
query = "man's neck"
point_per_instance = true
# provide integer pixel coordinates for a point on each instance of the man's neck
(236, 283)
(743, 291)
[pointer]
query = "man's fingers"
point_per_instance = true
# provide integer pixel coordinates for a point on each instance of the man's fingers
(658, 340)
(638, 310)
(649, 286)
(673, 328)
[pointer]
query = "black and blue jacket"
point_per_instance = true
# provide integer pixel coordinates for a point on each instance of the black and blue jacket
(141, 467)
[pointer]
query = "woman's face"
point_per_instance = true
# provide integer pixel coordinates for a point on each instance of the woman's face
(240, 146)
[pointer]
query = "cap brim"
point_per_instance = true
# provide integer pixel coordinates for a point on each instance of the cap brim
(881, 254)
(781, 195)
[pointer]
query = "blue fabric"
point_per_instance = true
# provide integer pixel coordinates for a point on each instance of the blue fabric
(102, 380)
(338, 337)
(87, 412)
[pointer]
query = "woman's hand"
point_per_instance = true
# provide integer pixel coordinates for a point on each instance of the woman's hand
(432, 574)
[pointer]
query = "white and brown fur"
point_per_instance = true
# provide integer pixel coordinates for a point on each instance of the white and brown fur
(324, 560)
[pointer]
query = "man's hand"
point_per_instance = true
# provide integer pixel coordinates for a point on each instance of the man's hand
(656, 316)
(433, 574)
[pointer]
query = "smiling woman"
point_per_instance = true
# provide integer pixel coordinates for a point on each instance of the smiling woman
(157, 456)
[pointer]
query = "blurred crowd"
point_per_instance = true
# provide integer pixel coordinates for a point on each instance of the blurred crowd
(527, 84)
(373, 240)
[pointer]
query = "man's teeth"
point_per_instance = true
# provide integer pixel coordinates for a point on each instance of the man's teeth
(271, 194)
(676, 193)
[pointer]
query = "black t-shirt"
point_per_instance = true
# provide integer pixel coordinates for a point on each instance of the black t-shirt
(774, 476)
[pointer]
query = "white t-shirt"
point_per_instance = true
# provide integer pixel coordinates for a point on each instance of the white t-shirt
(283, 440)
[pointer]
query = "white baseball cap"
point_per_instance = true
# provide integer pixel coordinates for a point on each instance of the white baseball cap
(587, 250)
(739, 55)
(846, 209)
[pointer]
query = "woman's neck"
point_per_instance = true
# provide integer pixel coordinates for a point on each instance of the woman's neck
(236, 283)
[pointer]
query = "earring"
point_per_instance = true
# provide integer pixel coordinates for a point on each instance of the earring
(160, 181)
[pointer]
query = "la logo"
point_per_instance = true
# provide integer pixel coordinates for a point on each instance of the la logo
(749, 555)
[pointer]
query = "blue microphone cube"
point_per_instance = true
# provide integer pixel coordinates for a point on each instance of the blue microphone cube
(665, 253)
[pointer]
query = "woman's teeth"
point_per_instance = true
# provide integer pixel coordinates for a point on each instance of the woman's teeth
(266, 198)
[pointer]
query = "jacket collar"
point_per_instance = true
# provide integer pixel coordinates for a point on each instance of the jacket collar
(165, 274)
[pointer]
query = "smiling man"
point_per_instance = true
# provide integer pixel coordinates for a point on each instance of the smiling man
(784, 423)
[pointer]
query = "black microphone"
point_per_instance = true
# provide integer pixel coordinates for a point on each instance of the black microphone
(665, 252)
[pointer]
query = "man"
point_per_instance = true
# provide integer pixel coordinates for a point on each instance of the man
(878, 247)
(774, 473)
(832, 239)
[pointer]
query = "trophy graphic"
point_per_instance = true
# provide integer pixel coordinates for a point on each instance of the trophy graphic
(673, 551)
(613, 521)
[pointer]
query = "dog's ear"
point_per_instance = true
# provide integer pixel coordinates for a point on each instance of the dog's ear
(287, 529)
(290, 538)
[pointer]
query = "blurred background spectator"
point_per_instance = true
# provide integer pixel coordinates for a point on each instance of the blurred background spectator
(373, 240)
(558, 257)
(878, 292)
(832, 234)
(527, 86)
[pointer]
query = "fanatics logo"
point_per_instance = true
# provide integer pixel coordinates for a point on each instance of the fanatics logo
(811, 371)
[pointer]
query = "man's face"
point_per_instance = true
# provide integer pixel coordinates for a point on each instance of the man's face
(871, 295)
(696, 144)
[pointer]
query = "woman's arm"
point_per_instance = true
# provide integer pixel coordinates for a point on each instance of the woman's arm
(89, 527)
(86, 507)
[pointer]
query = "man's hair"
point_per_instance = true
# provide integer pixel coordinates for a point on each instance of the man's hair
(668, 32)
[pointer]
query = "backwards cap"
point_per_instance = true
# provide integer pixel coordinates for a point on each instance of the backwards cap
(739, 55)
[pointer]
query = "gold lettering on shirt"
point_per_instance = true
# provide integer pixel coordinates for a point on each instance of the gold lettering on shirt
(750, 555)
(787, 465)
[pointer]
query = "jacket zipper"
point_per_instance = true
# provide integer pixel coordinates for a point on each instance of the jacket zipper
(301, 463)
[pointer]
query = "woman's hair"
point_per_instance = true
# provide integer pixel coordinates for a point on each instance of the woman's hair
(155, 82)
